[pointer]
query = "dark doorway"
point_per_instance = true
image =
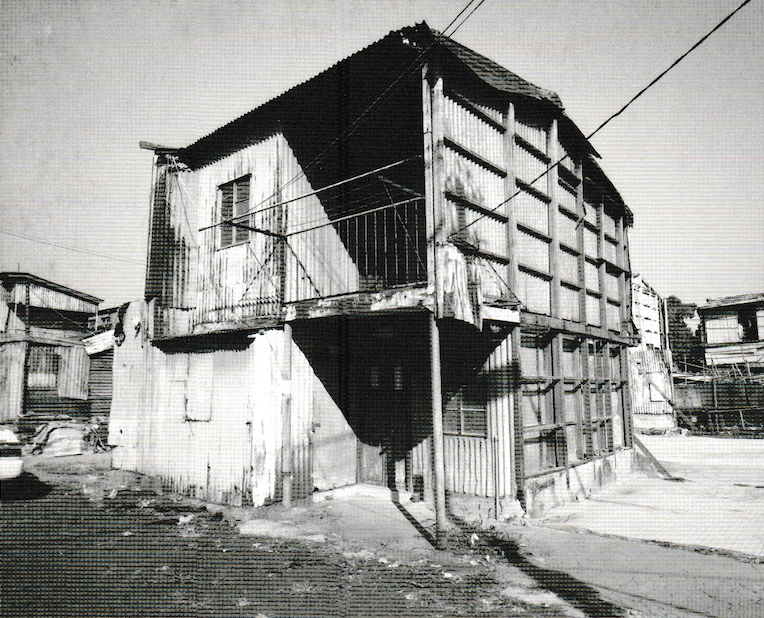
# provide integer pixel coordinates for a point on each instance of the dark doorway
(376, 370)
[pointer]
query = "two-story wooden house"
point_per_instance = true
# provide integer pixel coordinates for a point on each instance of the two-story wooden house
(408, 270)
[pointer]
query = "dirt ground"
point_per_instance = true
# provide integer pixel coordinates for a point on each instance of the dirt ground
(80, 539)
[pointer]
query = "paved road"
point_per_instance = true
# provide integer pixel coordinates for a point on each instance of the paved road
(718, 501)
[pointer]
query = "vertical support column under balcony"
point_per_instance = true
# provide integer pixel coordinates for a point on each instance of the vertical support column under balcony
(432, 112)
(514, 383)
(438, 463)
(286, 418)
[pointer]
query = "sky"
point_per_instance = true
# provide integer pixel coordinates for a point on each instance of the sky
(83, 81)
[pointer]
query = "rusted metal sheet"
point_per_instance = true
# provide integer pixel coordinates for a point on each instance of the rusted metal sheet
(209, 421)
(73, 372)
(12, 355)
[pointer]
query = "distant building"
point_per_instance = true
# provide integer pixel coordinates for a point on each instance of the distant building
(43, 363)
(733, 332)
(650, 362)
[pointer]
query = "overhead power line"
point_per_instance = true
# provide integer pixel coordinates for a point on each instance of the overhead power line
(415, 65)
(671, 66)
(612, 116)
(73, 249)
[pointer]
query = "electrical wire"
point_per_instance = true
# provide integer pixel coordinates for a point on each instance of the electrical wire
(612, 116)
(74, 249)
(414, 66)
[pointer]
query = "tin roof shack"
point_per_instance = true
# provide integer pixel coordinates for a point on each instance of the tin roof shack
(733, 332)
(43, 363)
(398, 285)
(650, 378)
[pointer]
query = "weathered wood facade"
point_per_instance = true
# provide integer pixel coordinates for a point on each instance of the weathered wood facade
(463, 195)
(733, 332)
(43, 364)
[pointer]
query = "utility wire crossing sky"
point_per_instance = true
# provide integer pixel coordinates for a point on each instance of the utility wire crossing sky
(83, 83)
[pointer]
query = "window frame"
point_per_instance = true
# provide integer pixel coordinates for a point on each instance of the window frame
(231, 235)
(460, 405)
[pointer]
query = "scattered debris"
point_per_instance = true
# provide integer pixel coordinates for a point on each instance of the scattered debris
(66, 437)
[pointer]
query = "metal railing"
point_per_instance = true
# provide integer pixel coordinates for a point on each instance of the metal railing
(374, 250)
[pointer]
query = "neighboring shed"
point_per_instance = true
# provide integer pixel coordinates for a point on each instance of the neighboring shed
(43, 363)
(733, 331)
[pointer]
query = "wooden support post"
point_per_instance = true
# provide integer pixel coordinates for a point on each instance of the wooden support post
(438, 472)
(558, 401)
(286, 416)
(517, 410)
(628, 418)
(553, 213)
(27, 352)
(580, 244)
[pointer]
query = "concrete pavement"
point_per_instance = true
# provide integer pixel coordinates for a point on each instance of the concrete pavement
(719, 503)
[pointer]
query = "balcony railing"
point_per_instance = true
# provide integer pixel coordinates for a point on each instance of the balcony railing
(375, 250)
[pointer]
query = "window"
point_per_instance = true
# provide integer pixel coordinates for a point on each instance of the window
(749, 330)
(234, 201)
(465, 411)
(42, 367)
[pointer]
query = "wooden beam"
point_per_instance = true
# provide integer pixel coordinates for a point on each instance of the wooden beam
(438, 463)
(463, 201)
(474, 157)
(517, 413)
(510, 188)
(554, 245)
(432, 180)
(573, 328)
(474, 109)
(532, 149)
(286, 418)
(533, 191)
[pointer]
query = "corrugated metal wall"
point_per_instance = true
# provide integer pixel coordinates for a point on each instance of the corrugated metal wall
(100, 382)
(12, 356)
(650, 384)
(233, 454)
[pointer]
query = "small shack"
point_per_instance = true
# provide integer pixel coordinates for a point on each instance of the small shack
(424, 287)
(43, 363)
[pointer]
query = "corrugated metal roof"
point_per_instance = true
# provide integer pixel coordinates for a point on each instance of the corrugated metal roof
(264, 120)
(494, 74)
(17, 278)
(728, 301)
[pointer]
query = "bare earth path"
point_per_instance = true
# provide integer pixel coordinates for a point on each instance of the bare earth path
(79, 539)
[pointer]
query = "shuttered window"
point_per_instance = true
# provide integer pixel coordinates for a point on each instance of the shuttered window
(234, 201)
(465, 411)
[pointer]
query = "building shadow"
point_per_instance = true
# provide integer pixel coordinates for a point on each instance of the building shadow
(575, 592)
